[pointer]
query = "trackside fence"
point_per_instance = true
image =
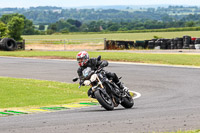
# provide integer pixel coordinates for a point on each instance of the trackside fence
(64, 44)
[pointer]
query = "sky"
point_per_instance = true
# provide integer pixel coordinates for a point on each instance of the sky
(79, 3)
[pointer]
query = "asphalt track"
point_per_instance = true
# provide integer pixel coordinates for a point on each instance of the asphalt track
(170, 100)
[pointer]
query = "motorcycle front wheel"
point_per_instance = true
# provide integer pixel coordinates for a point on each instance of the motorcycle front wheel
(104, 100)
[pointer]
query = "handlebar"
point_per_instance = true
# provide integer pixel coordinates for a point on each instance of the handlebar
(98, 70)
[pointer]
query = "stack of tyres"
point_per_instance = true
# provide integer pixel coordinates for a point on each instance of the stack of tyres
(151, 45)
(8, 44)
(179, 42)
(158, 44)
(164, 43)
(186, 42)
(169, 44)
(154, 40)
(129, 44)
(191, 46)
(172, 43)
(197, 43)
(192, 43)
(193, 39)
(146, 42)
(121, 44)
(140, 44)
(110, 44)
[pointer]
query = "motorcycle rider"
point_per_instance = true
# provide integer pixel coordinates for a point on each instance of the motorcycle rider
(84, 61)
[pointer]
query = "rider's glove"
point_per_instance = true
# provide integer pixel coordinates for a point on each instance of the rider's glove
(101, 66)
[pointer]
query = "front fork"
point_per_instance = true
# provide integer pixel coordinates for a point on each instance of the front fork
(99, 83)
(100, 87)
(104, 91)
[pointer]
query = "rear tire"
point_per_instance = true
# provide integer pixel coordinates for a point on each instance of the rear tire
(127, 102)
(105, 101)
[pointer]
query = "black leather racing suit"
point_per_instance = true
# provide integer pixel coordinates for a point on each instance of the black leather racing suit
(94, 64)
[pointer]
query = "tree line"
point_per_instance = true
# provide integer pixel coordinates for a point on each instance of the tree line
(48, 15)
(14, 25)
(93, 20)
(70, 25)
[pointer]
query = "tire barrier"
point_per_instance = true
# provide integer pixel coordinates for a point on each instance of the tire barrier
(151, 45)
(111, 44)
(9, 44)
(186, 42)
(197, 43)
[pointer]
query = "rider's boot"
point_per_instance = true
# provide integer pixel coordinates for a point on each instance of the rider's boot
(122, 86)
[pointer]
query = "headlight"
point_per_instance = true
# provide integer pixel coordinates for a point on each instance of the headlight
(93, 77)
(87, 82)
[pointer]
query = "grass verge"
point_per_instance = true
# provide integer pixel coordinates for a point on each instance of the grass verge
(172, 59)
(16, 92)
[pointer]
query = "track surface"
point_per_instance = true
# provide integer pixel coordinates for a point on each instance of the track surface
(170, 99)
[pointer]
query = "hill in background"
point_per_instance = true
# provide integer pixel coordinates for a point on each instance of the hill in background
(48, 14)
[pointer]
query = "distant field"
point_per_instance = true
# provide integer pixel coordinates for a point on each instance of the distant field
(117, 36)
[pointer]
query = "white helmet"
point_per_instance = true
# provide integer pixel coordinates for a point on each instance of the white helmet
(82, 58)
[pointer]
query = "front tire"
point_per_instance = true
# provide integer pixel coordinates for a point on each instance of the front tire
(104, 100)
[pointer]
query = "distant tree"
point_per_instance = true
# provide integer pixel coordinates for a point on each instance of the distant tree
(73, 29)
(74, 22)
(113, 27)
(50, 31)
(65, 30)
(7, 17)
(167, 18)
(123, 29)
(93, 27)
(190, 24)
(53, 27)
(28, 24)
(3, 30)
(15, 27)
(151, 9)
(41, 27)
(29, 29)
(61, 24)
(84, 28)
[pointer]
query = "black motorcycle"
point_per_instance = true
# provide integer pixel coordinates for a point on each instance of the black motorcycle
(107, 93)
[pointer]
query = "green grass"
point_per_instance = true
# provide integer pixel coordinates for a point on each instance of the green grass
(34, 93)
(116, 36)
(172, 59)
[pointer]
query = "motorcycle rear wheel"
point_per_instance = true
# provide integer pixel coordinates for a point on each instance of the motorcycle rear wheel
(104, 100)
(127, 102)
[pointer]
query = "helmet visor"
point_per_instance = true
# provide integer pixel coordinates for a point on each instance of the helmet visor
(80, 60)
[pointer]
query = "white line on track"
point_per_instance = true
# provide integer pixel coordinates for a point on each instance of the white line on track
(136, 94)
